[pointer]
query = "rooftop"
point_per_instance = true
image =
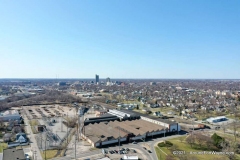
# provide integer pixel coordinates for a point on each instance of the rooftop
(9, 112)
(148, 116)
(112, 130)
(13, 154)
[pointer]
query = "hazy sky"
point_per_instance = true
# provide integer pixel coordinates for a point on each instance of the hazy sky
(120, 38)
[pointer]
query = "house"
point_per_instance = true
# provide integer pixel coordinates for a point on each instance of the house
(153, 105)
(21, 138)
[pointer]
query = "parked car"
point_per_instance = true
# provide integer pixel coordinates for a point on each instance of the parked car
(105, 151)
(134, 151)
(144, 148)
(149, 151)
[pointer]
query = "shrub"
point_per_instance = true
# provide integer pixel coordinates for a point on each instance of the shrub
(168, 143)
(217, 140)
(165, 144)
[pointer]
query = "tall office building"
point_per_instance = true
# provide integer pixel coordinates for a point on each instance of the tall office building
(97, 79)
(108, 80)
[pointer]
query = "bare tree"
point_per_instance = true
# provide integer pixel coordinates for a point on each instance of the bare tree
(1, 123)
(200, 139)
(229, 147)
(209, 142)
(235, 126)
(190, 140)
(16, 129)
(224, 127)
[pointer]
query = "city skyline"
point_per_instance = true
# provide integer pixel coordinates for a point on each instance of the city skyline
(120, 39)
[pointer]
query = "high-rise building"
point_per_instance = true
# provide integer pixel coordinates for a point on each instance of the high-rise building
(108, 80)
(97, 78)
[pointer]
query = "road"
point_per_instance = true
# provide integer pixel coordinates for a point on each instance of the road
(89, 154)
(139, 147)
(33, 143)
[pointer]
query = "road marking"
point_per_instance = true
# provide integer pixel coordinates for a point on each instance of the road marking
(163, 151)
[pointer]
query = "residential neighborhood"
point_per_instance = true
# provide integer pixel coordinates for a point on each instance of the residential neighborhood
(47, 121)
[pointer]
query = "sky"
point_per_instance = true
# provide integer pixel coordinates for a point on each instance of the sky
(187, 39)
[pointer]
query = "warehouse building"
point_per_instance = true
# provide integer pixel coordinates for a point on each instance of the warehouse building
(105, 133)
(216, 119)
(124, 115)
(128, 114)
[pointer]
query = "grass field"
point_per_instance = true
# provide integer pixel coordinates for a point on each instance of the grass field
(160, 154)
(33, 122)
(49, 154)
(184, 146)
(2, 146)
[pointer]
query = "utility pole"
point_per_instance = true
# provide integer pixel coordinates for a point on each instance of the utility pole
(46, 148)
(61, 123)
(79, 129)
(192, 127)
(41, 140)
(164, 130)
(35, 155)
(67, 128)
(118, 140)
(76, 146)
(178, 127)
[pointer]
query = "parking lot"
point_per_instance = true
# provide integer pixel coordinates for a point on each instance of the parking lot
(40, 111)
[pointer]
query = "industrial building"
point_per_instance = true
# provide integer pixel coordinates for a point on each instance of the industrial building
(10, 115)
(124, 126)
(216, 119)
(129, 115)
(105, 133)
(123, 115)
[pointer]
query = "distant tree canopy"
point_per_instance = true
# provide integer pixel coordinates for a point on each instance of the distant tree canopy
(217, 140)
(49, 97)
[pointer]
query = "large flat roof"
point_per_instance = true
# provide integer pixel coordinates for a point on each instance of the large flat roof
(112, 130)
(13, 153)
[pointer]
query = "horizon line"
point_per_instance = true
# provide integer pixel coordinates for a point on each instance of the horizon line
(135, 78)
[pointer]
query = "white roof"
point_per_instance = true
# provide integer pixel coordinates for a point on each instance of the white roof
(130, 157)
(10, 112)
(105, 158)
(215, 118)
